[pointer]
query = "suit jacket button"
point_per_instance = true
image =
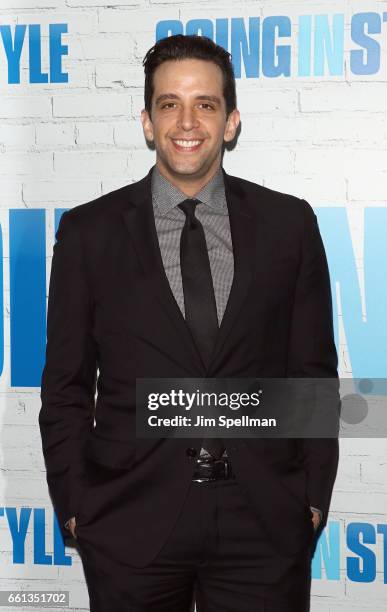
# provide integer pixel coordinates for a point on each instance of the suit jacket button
(191, 452)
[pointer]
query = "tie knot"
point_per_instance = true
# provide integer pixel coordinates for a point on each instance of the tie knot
(188, 207)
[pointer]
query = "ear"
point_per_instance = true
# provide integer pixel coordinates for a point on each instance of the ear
(232, 123)
(147, 125)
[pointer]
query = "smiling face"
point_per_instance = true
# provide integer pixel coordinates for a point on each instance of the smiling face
(188, 122)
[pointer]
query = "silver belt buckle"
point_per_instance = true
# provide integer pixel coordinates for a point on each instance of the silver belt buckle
(212, 479)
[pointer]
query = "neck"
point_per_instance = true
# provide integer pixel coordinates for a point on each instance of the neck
(187, 185)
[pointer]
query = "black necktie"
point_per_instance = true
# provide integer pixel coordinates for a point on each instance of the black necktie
(199, 297)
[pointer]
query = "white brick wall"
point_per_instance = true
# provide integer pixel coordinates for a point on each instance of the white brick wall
(63, 144)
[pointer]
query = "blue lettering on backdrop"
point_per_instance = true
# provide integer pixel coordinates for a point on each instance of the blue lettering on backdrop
(276, 58)
(359, 563)
(13, 49)
(58, 213)
(243, 49)
(221, 37)
(40, 555)
(327, 553)
(59, 556)
(366, 61)
(382, 530)
(27, 262)
(19, 529)
(56, 51)
(366, 339)
(253, 42)
(13, 46)
(329, 45)
(305, 45)
(256, 49)
(35, 49)
(361, 568)
(361, 540)
(200, 27)
(170, 27)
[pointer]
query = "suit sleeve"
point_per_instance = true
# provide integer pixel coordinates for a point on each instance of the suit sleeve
(312, 353)
(68, 381)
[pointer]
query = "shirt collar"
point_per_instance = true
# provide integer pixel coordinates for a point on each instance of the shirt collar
(166, 196)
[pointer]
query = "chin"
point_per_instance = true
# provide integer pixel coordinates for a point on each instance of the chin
(185, 169)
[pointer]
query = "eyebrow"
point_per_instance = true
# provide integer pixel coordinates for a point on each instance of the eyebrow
(171, 96)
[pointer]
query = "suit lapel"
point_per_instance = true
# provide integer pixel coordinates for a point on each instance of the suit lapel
(139, 221)
(241, 225)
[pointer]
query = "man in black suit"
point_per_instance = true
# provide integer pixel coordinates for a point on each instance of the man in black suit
(187, 273)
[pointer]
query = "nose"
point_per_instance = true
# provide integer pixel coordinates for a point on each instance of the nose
(187, 119)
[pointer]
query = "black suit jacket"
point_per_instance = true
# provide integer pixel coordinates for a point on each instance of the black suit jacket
(111, 308)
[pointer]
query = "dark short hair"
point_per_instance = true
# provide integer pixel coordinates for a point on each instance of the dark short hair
(179, 47)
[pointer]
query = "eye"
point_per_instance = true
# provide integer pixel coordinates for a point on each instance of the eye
(207, 105)
(168, 104)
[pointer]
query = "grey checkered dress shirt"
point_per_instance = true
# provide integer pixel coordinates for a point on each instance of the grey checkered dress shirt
(212, 213)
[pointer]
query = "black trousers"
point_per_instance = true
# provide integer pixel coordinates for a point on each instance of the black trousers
(217, 556)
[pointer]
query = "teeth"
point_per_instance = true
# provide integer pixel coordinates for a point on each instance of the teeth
(188, 143)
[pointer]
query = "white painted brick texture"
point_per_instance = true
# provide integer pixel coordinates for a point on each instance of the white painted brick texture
(64, 144)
